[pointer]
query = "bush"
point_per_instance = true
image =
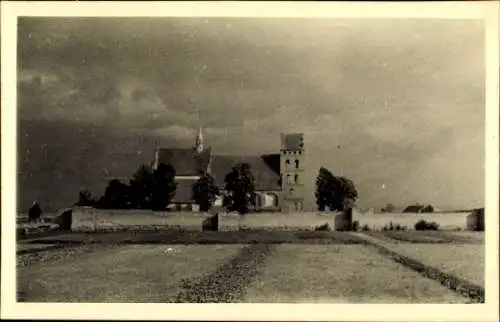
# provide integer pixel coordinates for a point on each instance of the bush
(355, 226)
(365, 228)
(425, 225)
(324, 227)
(388, 227)
(400, 227)
(392, 227)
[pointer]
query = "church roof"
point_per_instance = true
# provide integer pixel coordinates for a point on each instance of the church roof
(186, 162)
(265, 169)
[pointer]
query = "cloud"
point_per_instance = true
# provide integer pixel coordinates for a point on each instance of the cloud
(376, 99)
(177, 132)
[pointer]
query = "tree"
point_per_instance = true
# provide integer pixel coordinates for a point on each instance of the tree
(336, 193)
(428, 209)
(85, 199)
(35, 212)
(323, 188)
(116, 196)
(163, 187)
(205, 192)
(141, 188)
(346, 192)
(239, 184)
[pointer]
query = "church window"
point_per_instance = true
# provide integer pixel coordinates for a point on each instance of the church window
(289, 178)
(296, 178)
(287, 163)
(296, 164)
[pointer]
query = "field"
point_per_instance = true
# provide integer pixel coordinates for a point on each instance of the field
(251, 266)
(342, 274)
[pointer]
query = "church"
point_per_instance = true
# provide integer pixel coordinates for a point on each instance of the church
(278, 178)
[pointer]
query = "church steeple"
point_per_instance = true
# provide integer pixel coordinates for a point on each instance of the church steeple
(156, 158)
(198, 144)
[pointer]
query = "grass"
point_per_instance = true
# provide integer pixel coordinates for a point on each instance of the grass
(342, 274)
(463, 260)
(472, 236)
(466, 261)
(307, 266)
(145, 273)
(292, 273)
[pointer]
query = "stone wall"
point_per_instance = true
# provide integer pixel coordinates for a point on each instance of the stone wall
(90, 219)
(446, 221)
(276, 221)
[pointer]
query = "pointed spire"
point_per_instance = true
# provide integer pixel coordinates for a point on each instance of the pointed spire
(198, 145)
(157, 152)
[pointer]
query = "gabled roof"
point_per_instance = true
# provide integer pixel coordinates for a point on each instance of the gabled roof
(419, 208)
(414, 208)
(265, 170)
(186, 162)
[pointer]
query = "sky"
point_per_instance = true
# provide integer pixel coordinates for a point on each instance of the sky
(396, 105)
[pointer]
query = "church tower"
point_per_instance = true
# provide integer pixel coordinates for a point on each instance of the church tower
(292, 171)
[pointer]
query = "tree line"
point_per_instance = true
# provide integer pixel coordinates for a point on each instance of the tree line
(155, 189)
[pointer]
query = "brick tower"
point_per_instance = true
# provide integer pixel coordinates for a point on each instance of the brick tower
(292, 171)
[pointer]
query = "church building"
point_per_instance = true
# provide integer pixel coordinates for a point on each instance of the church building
(278, 178)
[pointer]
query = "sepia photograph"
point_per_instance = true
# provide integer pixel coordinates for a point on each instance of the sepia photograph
(249, 159)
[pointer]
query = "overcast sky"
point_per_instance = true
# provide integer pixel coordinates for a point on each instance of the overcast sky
(395, 105)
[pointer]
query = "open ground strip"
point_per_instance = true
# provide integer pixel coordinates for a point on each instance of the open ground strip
(426, 237)
(146, 273)
(32, 248)
(197, 238)
(471, 236)
(341, 274)
(457, 267)
(57, 253)
(42, 234)
(228, 283)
